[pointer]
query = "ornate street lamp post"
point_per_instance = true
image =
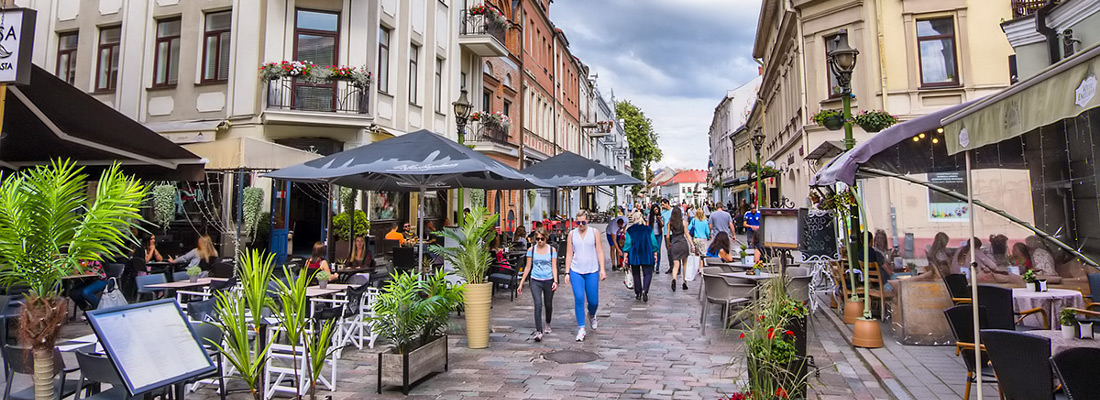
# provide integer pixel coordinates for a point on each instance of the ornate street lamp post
(462, 114)
(757, 143)
(842, 61)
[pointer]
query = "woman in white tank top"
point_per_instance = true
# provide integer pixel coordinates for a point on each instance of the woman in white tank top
(584, 258)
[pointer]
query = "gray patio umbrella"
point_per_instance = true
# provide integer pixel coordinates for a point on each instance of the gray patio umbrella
(416, 161)
(571, 170)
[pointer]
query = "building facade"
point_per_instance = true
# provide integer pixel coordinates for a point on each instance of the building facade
(730, 115)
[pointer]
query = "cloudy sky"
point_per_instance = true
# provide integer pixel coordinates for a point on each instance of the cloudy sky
(673, 58)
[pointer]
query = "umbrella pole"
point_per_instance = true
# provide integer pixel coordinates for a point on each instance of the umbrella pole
(420, 230)
(973, 274)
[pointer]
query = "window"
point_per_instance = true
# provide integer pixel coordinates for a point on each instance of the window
(936, 46)
(383, 60)
(507, 109)
(833, 87)
(66, 56)
(439, 85)
(215, 47)
(487, 101)
(166, 63)
(107, 58)
(414, 73)
(315, 40)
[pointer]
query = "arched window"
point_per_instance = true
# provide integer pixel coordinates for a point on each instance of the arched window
(488, 68)
(508, 80)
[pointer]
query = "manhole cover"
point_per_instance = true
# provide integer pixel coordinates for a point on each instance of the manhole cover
(570, 356)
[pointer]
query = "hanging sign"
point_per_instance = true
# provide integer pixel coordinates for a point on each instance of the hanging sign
(16, 45)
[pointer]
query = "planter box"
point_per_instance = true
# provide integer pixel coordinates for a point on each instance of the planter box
(407, 369)
(792, 377)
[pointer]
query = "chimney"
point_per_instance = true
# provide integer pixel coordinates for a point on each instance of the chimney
(760, 70)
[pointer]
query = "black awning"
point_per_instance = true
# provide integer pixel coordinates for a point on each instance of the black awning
(50, 119)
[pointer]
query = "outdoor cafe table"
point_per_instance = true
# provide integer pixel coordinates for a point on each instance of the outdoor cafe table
(186, 284)
(755, 278)
(1052, 300)
(1058, 344)
(729, 267)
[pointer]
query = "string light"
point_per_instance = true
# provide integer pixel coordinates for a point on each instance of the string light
(939, 130)
(935, 140)
(921, 135)
(916, 138)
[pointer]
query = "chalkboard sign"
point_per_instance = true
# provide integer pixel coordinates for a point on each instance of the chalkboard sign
(817, 235)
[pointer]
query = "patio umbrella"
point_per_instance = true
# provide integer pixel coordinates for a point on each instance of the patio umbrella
(570, 170)
(417, 161)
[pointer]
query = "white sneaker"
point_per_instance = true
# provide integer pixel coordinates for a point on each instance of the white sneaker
(580, 335)
(537, 336)
(592, 322)
(547, 329)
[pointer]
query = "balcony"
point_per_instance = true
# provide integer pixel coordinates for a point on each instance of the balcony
(482, 34)
(1023, 8)
(340, 97)
(492, 133)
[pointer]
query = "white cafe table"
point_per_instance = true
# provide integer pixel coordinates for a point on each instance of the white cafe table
(756, 278)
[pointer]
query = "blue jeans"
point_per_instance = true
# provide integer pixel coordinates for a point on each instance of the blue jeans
(585, 286)
(90, 293)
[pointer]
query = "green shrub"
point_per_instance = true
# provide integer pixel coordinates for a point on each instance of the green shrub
(342, 229)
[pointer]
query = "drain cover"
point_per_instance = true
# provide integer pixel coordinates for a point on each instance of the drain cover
(570, 356)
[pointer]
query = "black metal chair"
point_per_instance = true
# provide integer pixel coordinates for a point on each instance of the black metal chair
(958, 287)
(404, 259)
(221, 270)
(1000, 311)
(19, 361)
(961, 320)
(1077, 370)
(1022, 364)
(97, 369)
(504, 273)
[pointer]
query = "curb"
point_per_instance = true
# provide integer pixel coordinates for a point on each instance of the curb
(877, 368)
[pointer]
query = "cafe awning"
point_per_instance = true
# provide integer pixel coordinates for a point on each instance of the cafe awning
(50, 119)
(249, 153)
(1063, 90)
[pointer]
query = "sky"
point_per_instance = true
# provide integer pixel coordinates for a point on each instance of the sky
(675, 59)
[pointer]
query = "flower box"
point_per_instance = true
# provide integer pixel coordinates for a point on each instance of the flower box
(406, 370)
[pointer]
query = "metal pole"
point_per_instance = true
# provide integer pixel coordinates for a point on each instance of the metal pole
(759, 169)
(240, 210)
(849, 139)
(973, 273)
(420, 231)
(461, 140)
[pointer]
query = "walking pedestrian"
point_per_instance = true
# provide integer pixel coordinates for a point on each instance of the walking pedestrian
(542, 267)
(641, 252)
(658, 225)
(584, 258)
(679, 245)
(699, 228)
(752, 224)
(666, 213)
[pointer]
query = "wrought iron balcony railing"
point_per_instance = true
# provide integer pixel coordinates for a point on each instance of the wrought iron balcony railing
(1022, 8)
(299, 95)
(483, 24)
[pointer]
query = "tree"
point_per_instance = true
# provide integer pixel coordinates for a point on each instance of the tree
(642, 140)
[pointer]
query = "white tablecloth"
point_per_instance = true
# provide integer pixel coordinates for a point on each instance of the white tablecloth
(1052, 300)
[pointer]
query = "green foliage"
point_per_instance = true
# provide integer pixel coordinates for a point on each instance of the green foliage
(342, 230)
(323, 275)
(194, 270)
(253, 206)
(1029, 276)
(471, 256)
(771, 356)
(347, 198)
(254, 268)
(410, 311)
(246, 355)
(477, 197)
(47, 223)
(1067, 317)
(318, 348)
(820, 117)
(263, 231)
(642, 140)
(164, 204)
(752, 168)
(874, 121)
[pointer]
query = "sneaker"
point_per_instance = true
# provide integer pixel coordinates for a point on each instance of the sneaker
(547, 330)
(580, 335)
(538, 336)
(592, 322)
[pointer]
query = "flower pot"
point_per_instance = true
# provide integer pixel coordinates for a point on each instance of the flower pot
(871, 128)
(853, 310)
(835, 123)
(478, 300)
(407, 369)
(192, 278)
(867, 334)
(1069, 331)
(769, 376)
(1031, 286)
(322, 284)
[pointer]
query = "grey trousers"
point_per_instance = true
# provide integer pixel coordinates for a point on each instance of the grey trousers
(543, 295)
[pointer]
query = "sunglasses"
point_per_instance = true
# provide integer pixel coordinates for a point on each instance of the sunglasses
(582, 223)
(540, 239)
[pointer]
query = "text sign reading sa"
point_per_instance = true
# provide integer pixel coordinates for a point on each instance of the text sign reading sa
(16, 45)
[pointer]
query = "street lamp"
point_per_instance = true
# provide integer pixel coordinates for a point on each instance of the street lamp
(842, 61)
(757, 143)
(462, 113)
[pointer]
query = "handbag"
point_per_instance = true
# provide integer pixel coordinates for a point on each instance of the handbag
(691, 227)
(628, 280)
(112, 297)
(691, 268)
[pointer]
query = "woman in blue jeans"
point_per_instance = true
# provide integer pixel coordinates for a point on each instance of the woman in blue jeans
(544, 279)
(584, 258)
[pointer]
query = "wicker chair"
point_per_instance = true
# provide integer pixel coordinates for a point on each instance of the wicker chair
(961, 320)
(1077, 370)
(1022, 364)
(958, 287)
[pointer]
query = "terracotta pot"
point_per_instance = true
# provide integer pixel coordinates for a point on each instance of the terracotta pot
(478, 300)
(867, 334)
(853, 310)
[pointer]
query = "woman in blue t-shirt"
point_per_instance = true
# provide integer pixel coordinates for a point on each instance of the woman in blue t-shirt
(542, 266)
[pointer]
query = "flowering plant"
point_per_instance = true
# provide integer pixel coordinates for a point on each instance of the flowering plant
(358, 76)
(491, 14)
(824, 114)
(775, 367)
(874, 120)
(495, 118)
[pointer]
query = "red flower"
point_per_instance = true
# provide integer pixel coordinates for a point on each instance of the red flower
(771, 334)
(742, 335)
(761, 317)
(781, 393)
(789, 333)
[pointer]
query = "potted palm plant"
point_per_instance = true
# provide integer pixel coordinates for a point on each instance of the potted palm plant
(48, 224)
(471, 258)
(413, 314)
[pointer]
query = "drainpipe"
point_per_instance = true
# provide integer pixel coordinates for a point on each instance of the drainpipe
(881, 52)
(1047, 32)
(517, 9)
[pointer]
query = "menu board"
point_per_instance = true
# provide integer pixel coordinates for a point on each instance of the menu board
(151, 344)
(779, 227)
(817, 235)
